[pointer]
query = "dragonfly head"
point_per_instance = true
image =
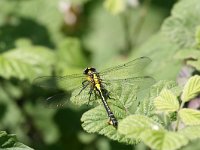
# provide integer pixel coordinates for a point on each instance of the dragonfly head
(89, 71)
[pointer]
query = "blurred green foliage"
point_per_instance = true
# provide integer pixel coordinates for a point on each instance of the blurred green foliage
(42, 37)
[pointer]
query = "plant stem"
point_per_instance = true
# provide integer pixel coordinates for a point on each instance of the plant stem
(178, 118)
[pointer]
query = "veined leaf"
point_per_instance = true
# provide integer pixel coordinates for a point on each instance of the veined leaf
(135, 125)
(9, 142)
(191, 132)
(166, 101)
(191, 89)
(190, 116)
(96, 120)
(26, 63)
(163, 140)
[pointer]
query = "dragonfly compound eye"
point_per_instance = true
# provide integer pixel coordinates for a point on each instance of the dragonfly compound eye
(89, 71)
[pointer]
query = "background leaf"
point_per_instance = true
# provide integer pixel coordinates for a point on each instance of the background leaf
(9, 141)
(181, 26)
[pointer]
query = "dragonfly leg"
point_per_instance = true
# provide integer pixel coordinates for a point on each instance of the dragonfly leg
(90, 94)
(84, 86)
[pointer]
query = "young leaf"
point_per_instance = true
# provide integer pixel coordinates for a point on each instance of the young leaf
(190, 116)
(9, 141)
(96, 120)
(166, 101)
(191, 89)
(191, 132)
(115, 6)
(163, 140)
(134, 125)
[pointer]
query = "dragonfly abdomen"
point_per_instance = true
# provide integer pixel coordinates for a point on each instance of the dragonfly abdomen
(112, 120)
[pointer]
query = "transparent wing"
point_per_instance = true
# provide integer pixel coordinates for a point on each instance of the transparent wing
(76, 97)
(140, 82)
(57, 101)
(127, 70)
(67, 83)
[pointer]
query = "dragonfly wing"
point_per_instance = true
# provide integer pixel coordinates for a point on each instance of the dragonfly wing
(127, 70)
(67, 83)
(57, 101)
(141, 83)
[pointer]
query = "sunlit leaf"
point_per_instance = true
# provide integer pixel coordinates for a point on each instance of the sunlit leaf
(191, 132)
(96, 121)
(166, 101)
(191, 89)
(190, 116)
(163, 140)
(134, 125)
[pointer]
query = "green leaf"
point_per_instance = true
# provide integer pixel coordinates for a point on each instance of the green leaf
(96, 120)
(190, 116)
(134, 125)
(191, 89)
(166, 101)
(151, 133)
(26, 62)
(10, 142)
(180, 27)
(191, 132)
(163, 140)
(115, 6)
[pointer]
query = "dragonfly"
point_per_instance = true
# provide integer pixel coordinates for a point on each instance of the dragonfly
(96, 83)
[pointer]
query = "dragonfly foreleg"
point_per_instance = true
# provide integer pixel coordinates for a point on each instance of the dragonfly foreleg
(84, 86)
(90, 94)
